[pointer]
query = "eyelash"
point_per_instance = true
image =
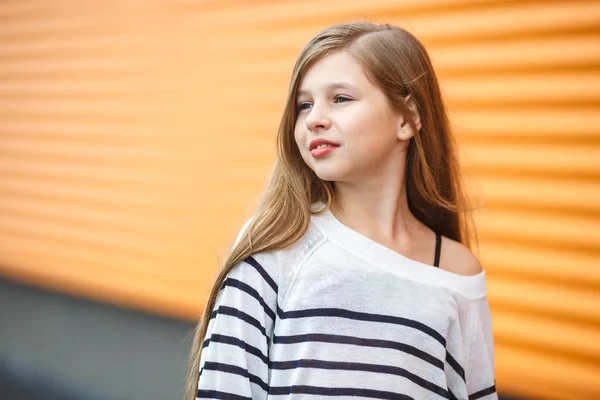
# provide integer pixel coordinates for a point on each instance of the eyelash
(345, 98)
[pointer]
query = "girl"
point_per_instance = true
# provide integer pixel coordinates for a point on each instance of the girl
(354, 278)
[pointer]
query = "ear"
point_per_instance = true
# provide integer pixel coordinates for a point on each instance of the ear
(404, 130)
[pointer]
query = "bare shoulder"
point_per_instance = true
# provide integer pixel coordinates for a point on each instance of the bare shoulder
(458, 259)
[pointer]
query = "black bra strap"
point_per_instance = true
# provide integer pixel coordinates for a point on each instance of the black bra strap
(438, 250)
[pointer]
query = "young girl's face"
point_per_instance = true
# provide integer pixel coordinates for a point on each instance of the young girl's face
(339, 106)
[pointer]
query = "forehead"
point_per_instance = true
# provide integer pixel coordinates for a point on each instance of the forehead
(340, 66)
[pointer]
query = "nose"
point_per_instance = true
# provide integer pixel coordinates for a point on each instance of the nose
(317, 119)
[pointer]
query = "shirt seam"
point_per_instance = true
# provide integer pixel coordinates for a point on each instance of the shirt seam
(471, 335)
(300, 262)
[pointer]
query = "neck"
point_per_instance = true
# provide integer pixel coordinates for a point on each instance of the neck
(379, 211)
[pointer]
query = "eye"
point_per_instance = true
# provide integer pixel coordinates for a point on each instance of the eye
(304, 106)
(342, 99)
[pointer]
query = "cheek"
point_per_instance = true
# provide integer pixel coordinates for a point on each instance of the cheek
(375, 127)
(297, 137)
(300, 139)
(371, 137)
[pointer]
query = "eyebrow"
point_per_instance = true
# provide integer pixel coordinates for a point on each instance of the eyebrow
(332, 86)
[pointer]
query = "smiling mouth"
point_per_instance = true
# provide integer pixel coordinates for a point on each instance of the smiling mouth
(322, 150)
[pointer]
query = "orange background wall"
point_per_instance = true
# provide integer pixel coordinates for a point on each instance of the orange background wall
(136, 137)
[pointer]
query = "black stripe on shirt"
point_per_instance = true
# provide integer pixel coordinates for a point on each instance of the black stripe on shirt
(250, 260)
(456, 366)
(216, 338)
(329, 391)
(482, 393)
(232, 369)
(234, 312)
(215, 394)
(362, 316)
(452, 396)
(234, 283)
(356, 341)
(353, 366)
(382, 318)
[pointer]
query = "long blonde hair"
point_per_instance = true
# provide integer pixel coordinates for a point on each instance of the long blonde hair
(399, 64)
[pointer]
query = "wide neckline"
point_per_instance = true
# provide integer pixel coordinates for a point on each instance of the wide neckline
(385, 258)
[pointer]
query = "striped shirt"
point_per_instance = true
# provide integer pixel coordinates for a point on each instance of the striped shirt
(338, 315)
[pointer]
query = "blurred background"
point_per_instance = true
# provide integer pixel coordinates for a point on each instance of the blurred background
(136, 138)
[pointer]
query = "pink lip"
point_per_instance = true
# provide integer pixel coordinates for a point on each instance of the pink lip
(317, 142)
(318, 153)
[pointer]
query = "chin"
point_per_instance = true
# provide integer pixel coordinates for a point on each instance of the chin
(329, 174)
(326, 170)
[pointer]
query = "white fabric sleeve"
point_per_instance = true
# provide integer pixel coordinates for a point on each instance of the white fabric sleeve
(234, 361)
(480, 372)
